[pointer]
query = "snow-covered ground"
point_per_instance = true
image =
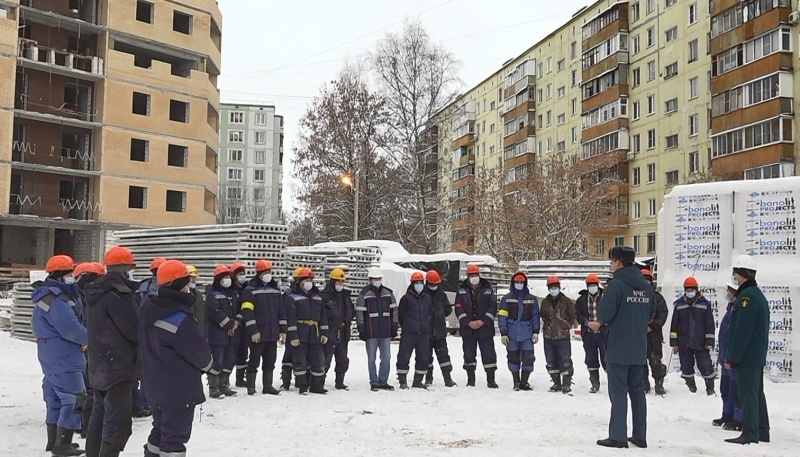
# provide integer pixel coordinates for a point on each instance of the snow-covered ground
(441, 421)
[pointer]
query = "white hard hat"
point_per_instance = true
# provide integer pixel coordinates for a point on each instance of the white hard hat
(374, 272)
(732, 286)
(745, 262)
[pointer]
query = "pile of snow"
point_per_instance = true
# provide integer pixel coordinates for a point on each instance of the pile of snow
(388, 248)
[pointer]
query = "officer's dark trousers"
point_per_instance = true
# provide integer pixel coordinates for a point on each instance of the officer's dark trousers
(419, 343)
(655, 355)
(703, 359)
(488, 354)
(308, 355)
(558, 356)
(626, 381)
(224, 356)
(594, 347)
(264, 353)
(754, 403)
(111, 416)
(171, 431)
(337, 350)
(439, 346)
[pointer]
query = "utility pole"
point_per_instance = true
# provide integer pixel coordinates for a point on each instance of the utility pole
(355, 207)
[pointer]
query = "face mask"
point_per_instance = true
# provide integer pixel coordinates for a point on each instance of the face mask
(433, 287)
(226, 282)
(308, 285)
(519, 285)
(193, 285)
(69, 279)
(266, 278)
(376, 284)
(241, 279)
(555, 292)
(734, 281)
(475, 280)
(418, 288)
(338, 287)
(691, 294)
(593, 290)
(130, 275)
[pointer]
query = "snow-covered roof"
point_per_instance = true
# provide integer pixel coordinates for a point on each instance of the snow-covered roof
(388, 248)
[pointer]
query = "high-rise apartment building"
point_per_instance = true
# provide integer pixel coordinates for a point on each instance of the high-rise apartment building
(251, 164)
(108, 119)
(662, 92)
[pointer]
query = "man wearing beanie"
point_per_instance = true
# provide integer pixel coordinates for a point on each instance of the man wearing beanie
(175, 355)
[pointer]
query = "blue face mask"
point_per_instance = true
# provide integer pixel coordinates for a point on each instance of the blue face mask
(241, 279)
(691, 294)
(69, 279)
(734, 281)
(519, 285)
(555, 292)
(418, 288)
(192, 285)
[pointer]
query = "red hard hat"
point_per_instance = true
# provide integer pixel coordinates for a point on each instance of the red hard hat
(519, 276)
(417, 276)
(592, 279)
(60, 263)
(433, 277)
(156, 263)
(690, 283)
(119, 255)
(263, 265)
(171, 270)
(88, 267)
(553, 280)
(221, 270)
(100, 268)
(473, 269)
(305, 273)
(237, 266)
(647, 273)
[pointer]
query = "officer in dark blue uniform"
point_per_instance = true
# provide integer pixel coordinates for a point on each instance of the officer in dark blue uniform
(223, 331)
(476, 307)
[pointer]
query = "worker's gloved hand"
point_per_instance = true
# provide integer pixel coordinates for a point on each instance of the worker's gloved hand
(282, 337)
(256, 338)
(323, 339)
(535, 338)
(504, 340)
(295, 342)
(675, 349)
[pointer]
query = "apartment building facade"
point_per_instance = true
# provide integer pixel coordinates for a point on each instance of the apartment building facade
(109, 119)
(251, 164)
(668, 92)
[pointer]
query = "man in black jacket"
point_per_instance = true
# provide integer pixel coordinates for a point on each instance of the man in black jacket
(341, 312)
(655, 341)
(114, 362)
(440, 309)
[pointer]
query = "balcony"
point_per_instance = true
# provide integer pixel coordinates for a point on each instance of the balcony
(39, 146)
(751, 29)
(466, 139)
(752, 114)
(49, 195)
(528, 131)
(524, 83)
(605, 25)
(528, 106)
(603, 66)
(33, 55)
(736, 164)
(778, 61)
(610, 221)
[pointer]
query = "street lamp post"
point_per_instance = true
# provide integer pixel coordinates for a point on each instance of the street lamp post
(352, 182)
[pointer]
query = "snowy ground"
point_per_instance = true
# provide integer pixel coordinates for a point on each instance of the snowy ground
(441, 421)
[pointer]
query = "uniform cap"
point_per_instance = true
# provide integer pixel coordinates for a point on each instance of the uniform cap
(171, 270)
(433, 277)
(417, 276)
(337, 274)
(156, 263)
(119, 255)
(221, 270)
(473, 269)
(60, 263)
(592, 279)
(193, 271)
(551, 280)
(624, 253)
(690, 283)
(263, 265)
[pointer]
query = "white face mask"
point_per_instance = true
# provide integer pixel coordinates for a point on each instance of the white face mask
(418, 288)
(475, 280)
(519, 285)
(308, 285)
(593, 290)
(266, 278)
(130, 275)
(376, 283)
(433, 287)
(69, 279)
(339, 287)
(226, 282)
(691, 294)
(241, 279)
(192, 285)
(555, 292)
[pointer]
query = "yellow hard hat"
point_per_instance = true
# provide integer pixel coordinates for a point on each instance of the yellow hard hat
(192, 271)
(338, 275)
(296, 272)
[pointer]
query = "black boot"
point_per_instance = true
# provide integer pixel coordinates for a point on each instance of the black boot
(741, 440)
(213, 386)
(286, 377)
(490, 382)
(108, 450)
(240, 377)
(51, 436)
(429, 377)
(63, 445)
(250, 382)
(710, 387)
(647, 384)
(566, 384)
(93, 443)
(691, 384)
(470, 378)
(523, 381)
(225, 385)
(448, 380)
(660, 387)
(722, 420)
(302, 384)
(594, 379)
(515, 377)
(402, 378)
(340, 382)
(148, 452)
(556, 387)
(318, 385)
(418, 381)
(266, 384)
(733, 425)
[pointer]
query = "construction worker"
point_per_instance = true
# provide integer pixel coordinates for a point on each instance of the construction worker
(732, 417)
(414, 316)
(174, 355)
(748, 342)
(476, 306)
(692, 335)
(655, 341)
(61, 339)
(148, 287)
(287, 367)
(519, 320)
(223, 331)
(341, 312)
(239, 283)
(114, 362)
(265, 321)
(377, 321)
(558, 318)
(593, 332)
(307, 325)
(85, 274)
(440, 309)
(199, 307)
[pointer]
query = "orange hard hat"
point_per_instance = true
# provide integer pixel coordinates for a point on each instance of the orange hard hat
(305, 273)
(221, 270)
(519, 276)
(473, 269)
(553, 280)
(263, 265)
(100, 268)
(417, 277)
(592, 279)
(119, 255)
(237, 266)
(171, 270)
(647, 273)
(433, 277)
(690, 283)
(156, 263)
(60, 263)
(88, 267)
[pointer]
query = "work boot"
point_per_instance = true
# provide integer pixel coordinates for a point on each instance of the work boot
(51, 436)
(250, 382)
(93, 444)
(515, 377)
(150, 450)
(403, 380)
(448, 380)
(429, 377)
(266, 384)
(225, 385)
(240, 377)
(490, 382)
(710, 387)
(470, 378)
(63, 445)
(722, 420)
(340, 385)
(108, 450)
(523, 381)
(594, 379)
(302, 385)
(418, 381)
(647, 384)
(741, 440)
(733, 425)
(286, 377)
(556, 387)
(566, 384)
(691, 384)
(213, 386)
(660, 387)
(318, 385)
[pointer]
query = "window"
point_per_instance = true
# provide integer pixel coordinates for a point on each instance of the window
(260, 156)
(595, 116)
(574, 78)
(637, 210)
(672, 177)
(671, 34)
(636, 143)
(259, 194)
(141, 104)
(176, 201)
(491, 127)
(261, 137)
(144, 11)
(549, 91)
(539, 70)
(234, 174)
(651, 36)
(258, 175)
(182, 22)
(636, 77)
(636, 45)
(562, 119)
(746, 95)
(549, 144)
(574, 106)
(636, 110)
(670, 3)
(261, 119)
(139, 150)
(635, 12)
(651, 70)
(574, 135)
(492, 107)
(651, 242)
(651, 207)
(549, 116)
(693, 50)
(573, 50)
(694, 162)
(137, 197)
(637, 176)
(562, 91)
(651, 174)
(235, 155)
(233, 213)
(693, 89)
(600, 145)
(671, 70)
(651, 6)
(618, 42)
(178, 111)
(236, 117)
(671, 105)
(177, 155)
(651, 104)
(775, 170)
(752, 136)
(694, 125)
(617, 76)
(235, 136)
(672, 141)
(600, 247)
(692, 13)
(619, 241)
(561, 146)
(234, 193)
(562, 64)
(549, 65)
(651, 139)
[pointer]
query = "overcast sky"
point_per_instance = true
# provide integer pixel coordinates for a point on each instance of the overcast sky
(281, 52)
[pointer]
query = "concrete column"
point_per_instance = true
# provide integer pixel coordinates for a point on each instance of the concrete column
(45, 244)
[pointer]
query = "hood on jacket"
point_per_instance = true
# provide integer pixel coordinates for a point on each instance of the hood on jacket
(330, 287)
(111, 281)
(165, 303)
(633, 277)
(41, 289)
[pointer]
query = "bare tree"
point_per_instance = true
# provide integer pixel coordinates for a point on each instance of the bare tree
(416, 78)
(237, 203)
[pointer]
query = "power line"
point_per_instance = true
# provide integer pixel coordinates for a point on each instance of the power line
(507, 26)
